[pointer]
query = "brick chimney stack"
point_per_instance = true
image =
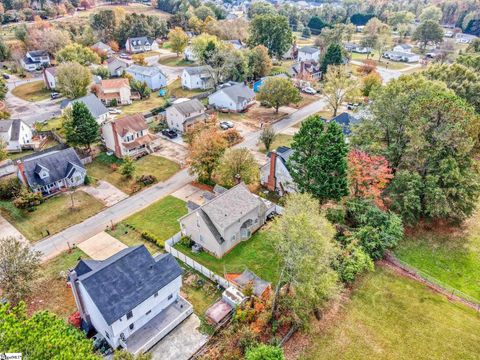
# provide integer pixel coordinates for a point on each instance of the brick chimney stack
(21, 171)
(272, 180)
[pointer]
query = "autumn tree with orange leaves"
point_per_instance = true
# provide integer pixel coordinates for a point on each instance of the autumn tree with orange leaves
(368, 175)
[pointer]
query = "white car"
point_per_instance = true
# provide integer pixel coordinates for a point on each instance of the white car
(115, 111)
(225, 125)
(309, 90)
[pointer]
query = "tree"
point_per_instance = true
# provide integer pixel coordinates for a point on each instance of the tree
(42, 335)
(77, 53)
(333, 56)
(134, 25)
(428, 31)
(178, 40)
(439, 178)
(338, 87)
(260, 8)
(202, 12)
(104, 23)
(141, 87)
(258, 62)
(238, 165)
(319, 161)
(127, 168)
(81, 128)
(303, 240)
(271, 31)
(205, 152)
(264, 352)
(377, 35)
(46, 38)
(28, 200)
(278, 91)
(431, 13)
(4, 51)
(370, 83)
(73, 80)
(316, 25)
(3, 89)
(19, 267)
(267, 137)
(368, 175)
(399, 18)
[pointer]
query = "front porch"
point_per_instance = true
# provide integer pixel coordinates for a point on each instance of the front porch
(156, 329)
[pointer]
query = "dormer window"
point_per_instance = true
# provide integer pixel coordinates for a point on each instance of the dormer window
(42, 171)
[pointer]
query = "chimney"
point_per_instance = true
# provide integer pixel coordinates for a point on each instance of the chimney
(118, 151)
(272, 180)
(302, 67)
(21, 171)
(78, 298)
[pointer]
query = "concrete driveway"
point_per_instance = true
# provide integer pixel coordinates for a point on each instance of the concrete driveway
(7, 229)
(101, 246)
(106, 193)
(190, 192)
(184, 341)
(172, 151)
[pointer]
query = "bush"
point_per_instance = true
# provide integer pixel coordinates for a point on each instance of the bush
(28, 200)
(152, 238)
(147, 180)
(232, 136)
(353, 260)
(336, 215)
(264, 352)
(185, 241)
(87, 180)
(9, 188)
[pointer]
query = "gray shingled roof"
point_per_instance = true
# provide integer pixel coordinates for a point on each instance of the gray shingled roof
(120, 283)
(238, 92)
(5, 125)
(308, 49)
(15, 132)
(186, 108)
(145, 70)
(140, 41)
(58, 163)
(195, 70)
(247, 278)
(94, 105)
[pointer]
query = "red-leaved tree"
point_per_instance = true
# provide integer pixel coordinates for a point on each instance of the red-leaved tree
(369, 175)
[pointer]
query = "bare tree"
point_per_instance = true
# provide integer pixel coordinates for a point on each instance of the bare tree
(267, 137)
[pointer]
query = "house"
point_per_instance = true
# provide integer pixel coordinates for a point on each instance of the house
(140, 44)
(189, 55)
(405, 48)
(291, 53)
(401, 56)
(35, 60)
(184, 113)
(308, 53)
(355, 48)
(198, 77)
(229, 218)
(103, 48)
(461, 38)
(116, 91)
(345, 120)
(237, 44)
(16, 135)
(232, 97)
(274, 175)
(116, 67)
(93, 104)
(53, 171)
(128, 136)
(152, 75)
(50, 77)
(131, 298)
(305, 69)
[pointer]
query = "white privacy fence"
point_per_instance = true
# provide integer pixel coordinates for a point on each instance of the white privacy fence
(192, 263)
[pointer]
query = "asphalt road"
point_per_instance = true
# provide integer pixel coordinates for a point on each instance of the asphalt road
(55, 244)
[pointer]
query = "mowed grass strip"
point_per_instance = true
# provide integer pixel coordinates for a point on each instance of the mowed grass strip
(280, 140)
(32, 91)
(394, 318)
(160, 218)
(54, 215)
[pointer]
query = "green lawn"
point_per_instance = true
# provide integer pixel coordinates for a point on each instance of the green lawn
(256, 254)
(175, 89)
(32, 91)
(393, 65)
(394, 318)
(50, 143)
(54, 215)
(280, 140)
(132, 237)
(160, 167)
(160, 218)
(454, 259)
(174, 61)
(200, 296)
(145, 105)
(282, 67)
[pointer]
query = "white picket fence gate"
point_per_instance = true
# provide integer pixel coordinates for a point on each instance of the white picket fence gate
(192, 263)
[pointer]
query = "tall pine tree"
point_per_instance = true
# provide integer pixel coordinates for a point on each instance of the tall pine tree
(333, 56)
(319, 162)
(81, 128)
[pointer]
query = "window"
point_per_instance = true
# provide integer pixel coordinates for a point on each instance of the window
(201, 238)
(170, 297)
(108, 336)
(156, 294)
(131, 326)
(148, 312)
(129, 315)
(234, 237)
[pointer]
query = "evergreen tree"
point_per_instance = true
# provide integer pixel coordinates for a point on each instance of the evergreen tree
(81, 128)
(333, 56)
(319, 162)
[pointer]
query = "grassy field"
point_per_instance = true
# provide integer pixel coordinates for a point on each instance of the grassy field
(280, 140)
(282, 67)
(32, 91)
(256, 254)
(393, 65)
(132, 237)
(175, 89)
(160, 218)
(200, 296)
(145, 105)
(54, 215)
(394, 318)
(101, 168)
(454, 259)
(174, 61)
(51, 292)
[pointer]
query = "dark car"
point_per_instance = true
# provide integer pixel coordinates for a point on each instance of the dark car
(55, 95)
(171, 134)
(6, 76)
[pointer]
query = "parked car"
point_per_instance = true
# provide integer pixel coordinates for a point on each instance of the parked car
(171, 134)
(125, 56)
(309, 90)
(114, 111)
(225, 125)
(55, 95)
(6, 76)
(352, 106)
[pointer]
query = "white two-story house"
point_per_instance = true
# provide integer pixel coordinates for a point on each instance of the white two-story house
(151, 75)
(184, 113)
(16, 135)
(128, 136)
(140, 44)
(229, 218)
(35, 60)
(308, 53)
(131, 299)
(197, 77)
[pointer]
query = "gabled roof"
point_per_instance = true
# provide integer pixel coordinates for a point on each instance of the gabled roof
(51, 70)
(5, 125)
(196, 70)
(140, 41)
(249, 278)
(237, 92)
(186, 108)
(308, 49)
(36, 53)
(130, 123)
(283, 152)
(93, 104)
(114, 83)
(345, 120)
(101, 46)
(59, 165)
(405, 46)
(120, 283)
(145, 70)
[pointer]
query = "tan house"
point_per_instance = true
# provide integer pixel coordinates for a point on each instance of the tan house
(114, 90)
(129, 136)
(185, 113)
(230, 217)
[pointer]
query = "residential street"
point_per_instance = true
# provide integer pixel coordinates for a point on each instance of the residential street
(55, 244)
(388, 74)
